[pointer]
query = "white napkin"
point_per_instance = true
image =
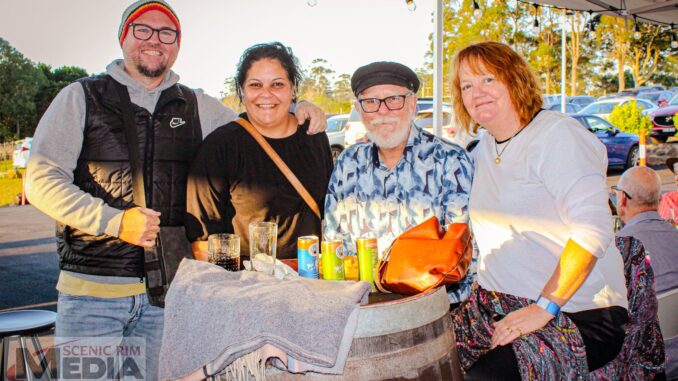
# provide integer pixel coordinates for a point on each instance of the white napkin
(263, 264)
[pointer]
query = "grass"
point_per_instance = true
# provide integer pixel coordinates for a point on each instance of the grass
(9, 188)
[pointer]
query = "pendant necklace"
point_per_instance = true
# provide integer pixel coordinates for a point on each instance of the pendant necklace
(497, 159)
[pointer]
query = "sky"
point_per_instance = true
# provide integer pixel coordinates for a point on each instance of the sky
(346, 33)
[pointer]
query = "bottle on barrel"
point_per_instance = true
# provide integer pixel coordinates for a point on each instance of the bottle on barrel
(367, 258)
(307, 256)
(333, 259)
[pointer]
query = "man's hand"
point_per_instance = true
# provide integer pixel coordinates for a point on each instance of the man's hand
(306, 110)
(140, 226)
(519, 323)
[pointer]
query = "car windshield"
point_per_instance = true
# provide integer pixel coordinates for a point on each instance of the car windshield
(674, 100)
(651, 96)
(599, 108)
(597, 124)
(335, 124)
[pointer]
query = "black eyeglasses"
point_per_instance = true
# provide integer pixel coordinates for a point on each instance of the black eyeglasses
(616, 188)
(393, 103)
(144, 32)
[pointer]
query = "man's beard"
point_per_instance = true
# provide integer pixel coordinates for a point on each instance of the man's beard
(396, 138)
(151, 73)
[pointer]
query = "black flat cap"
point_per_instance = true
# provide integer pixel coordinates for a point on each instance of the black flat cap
(383, 73)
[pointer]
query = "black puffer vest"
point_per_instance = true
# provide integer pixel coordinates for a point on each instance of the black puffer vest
(168, 140)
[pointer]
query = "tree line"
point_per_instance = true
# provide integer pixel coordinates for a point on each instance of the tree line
(602, 52)
(603, 56)
(26, 90)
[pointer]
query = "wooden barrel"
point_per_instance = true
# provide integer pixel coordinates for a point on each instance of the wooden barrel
(404, 339)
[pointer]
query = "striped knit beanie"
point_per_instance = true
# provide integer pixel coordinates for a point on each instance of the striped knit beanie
(140, 7)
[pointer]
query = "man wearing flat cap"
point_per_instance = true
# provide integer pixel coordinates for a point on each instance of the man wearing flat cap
(402, 176)
(80, 174)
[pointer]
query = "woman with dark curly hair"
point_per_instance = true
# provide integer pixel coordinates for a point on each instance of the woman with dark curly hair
(232, 180)
(550, 300)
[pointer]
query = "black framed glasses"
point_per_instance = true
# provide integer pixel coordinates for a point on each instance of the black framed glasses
(393, 103)
(144, 32)
(616, 188)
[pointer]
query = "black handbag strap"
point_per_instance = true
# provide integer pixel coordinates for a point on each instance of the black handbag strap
(155, 288)
(138, 191)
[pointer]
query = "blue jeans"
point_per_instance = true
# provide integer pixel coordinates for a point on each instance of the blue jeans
(129, 317)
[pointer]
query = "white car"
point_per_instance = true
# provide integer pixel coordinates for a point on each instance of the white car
(355, 129)
(604, 108)
(21, 153)
(424, 119)
(335, 133)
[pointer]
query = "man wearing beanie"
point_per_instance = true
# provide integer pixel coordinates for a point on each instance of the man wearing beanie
(403, 176)
(80, 174)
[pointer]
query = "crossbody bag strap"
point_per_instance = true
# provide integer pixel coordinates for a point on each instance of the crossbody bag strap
(138, 191)
(281, 165)
(152, 256)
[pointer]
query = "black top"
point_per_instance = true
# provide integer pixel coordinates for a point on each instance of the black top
(233, 182)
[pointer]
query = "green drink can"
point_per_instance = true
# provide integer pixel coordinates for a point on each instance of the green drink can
(367, 258)
(333, 259)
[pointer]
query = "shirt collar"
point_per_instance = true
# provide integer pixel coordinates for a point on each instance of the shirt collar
(644, 216)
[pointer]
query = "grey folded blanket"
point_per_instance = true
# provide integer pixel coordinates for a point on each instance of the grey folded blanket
(213, 317)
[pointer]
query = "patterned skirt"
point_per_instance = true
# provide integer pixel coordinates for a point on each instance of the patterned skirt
(555, 352)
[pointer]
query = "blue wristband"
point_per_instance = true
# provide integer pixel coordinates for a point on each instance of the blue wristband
(548, 305)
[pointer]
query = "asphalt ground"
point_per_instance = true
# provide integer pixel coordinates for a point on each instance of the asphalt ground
(29, 263)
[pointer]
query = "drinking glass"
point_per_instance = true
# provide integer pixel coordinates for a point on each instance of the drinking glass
(263, 240)
(224, 250)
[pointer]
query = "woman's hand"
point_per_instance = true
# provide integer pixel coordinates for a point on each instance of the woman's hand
(518, 323)
(306, 110)
(199, 249)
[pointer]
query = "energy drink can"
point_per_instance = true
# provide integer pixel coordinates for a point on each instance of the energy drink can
(307, 256)
(333, 259)
(351, 267)
(367, 258)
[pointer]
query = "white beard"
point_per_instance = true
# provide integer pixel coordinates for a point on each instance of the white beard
(392, 140)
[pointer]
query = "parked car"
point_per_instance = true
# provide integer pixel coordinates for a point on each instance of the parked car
(335, 133)
(581, 100)
(662, 121)
(640, 90)
(660, 98)
(355, 129)
(21, 153)
(570, 108)
(424, 119)
(604, 108)
(551, 98)
(622, 147)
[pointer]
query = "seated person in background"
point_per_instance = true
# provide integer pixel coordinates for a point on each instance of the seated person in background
(403, 176)
(233, 182)
(668, 206)
(638, 193)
